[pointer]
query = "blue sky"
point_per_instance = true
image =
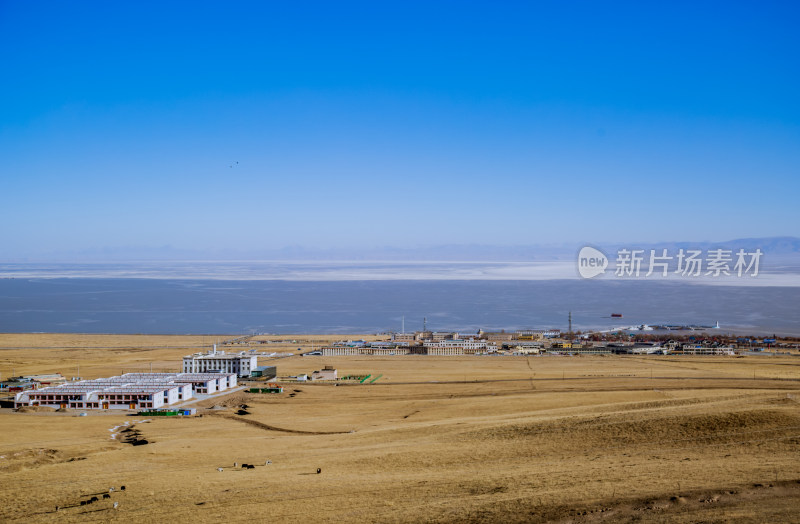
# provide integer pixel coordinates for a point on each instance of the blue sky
(405, 124)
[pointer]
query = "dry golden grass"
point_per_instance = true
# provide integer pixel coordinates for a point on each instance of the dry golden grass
(446, 439)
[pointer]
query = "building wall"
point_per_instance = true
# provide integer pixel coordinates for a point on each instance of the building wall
(158, 401)
(325, 374)
(470, 345)
(448, 351)
(171, 396)
(499, 337)
(335, 351)
(387, 351)
(113, 399)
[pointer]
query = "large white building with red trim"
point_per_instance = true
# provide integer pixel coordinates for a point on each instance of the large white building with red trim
(129, 391)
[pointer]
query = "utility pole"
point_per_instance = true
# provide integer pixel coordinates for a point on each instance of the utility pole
(570, 326)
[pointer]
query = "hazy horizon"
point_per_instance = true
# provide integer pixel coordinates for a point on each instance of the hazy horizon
(775, 246)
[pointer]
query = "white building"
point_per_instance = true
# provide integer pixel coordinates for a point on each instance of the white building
(459, 347)
(534, 334)
(338, 351)
(130, 391)
(386, 351)
(220, 362)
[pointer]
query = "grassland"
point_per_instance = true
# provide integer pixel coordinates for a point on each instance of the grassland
(445, 439)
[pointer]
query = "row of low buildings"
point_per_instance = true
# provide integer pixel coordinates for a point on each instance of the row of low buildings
(129, 391)
(475, 346)
(443, 343)
(439, 343)
(468, 346)
(438, 336)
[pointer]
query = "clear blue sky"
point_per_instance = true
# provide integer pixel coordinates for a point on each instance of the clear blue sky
(412, 124)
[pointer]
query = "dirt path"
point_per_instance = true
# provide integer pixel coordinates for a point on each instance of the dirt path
(267, 427)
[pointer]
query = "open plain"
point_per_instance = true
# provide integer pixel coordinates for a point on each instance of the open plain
(527, 439)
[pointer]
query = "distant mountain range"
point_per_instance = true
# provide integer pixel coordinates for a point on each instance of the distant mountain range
(772, 245)
(767, 245)
(784, 246)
